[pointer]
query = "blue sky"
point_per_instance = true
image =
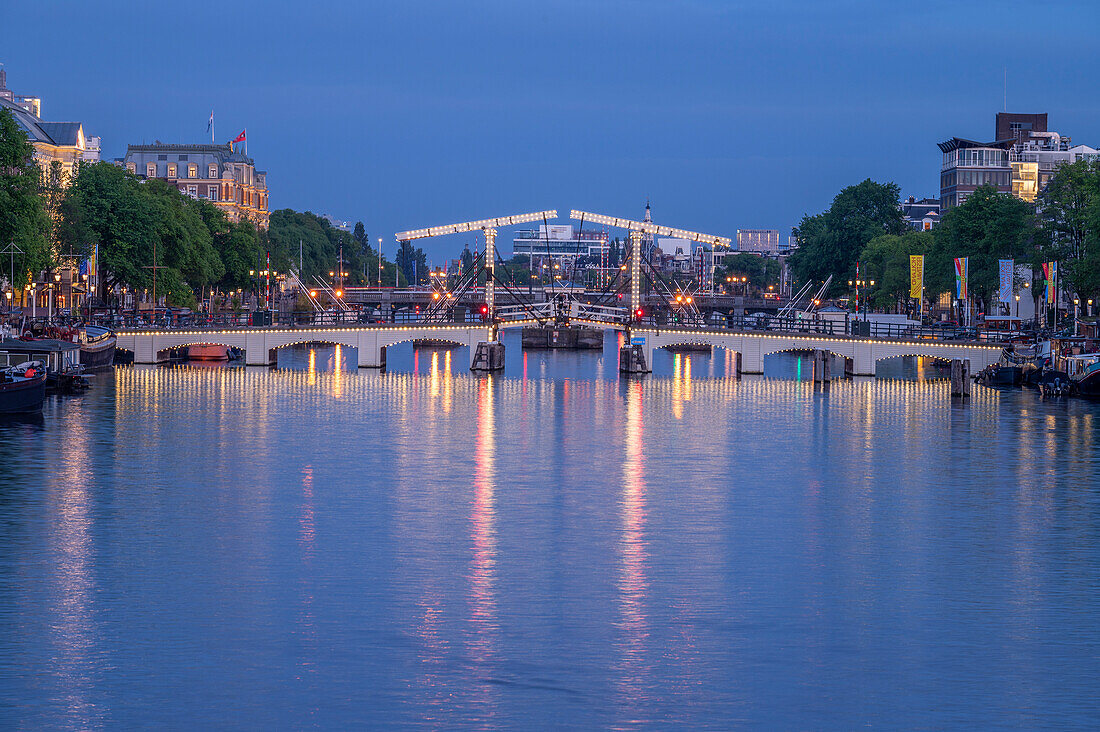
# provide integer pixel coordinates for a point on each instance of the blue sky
(726, 115)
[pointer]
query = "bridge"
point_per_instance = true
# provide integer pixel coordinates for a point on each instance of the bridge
(260, 345)
(636, 276)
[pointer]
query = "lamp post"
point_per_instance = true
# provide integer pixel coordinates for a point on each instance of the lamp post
(8, 295)
(1076, 303)
(1017, 304)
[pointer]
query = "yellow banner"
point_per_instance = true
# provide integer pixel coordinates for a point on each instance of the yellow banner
(916, 275)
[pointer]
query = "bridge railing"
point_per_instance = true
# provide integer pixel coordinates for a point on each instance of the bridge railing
(852, 327)
(262, 319)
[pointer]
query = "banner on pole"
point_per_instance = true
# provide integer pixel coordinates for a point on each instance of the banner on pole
(916, 275)
(961, 266)
(1006, 269)
(1050, 271)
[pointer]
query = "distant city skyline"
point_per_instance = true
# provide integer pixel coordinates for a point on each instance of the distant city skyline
(725, 115)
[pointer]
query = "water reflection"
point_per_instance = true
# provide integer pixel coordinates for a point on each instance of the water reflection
(483, 606)
(73, 588)
(452, 552)
(633, 669)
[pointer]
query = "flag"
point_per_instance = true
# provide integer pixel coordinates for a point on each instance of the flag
(916, 275)
(1006, 268)
(961, 266)
(210, 124)
(240, 137)
(1050, 271)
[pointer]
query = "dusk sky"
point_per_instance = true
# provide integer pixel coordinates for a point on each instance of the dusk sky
(726, 115)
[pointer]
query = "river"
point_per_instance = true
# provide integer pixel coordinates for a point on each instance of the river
(316, 545)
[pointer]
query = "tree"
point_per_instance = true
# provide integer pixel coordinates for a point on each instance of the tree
(830, 243)
(1067, 230)
(23, 219)
(105, 209)
(988, 226)
(885, 260)
(360, 236)
(412, 262)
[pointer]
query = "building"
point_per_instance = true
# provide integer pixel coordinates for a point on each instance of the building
(217, 173)
(758, 241)
(1020, 160)
(63, 142)
(921, 215)
(338, 223)
(558, 242)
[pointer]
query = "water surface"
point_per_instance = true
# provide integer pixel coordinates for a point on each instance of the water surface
(196, 546)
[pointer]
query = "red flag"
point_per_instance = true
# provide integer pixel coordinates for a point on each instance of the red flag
(240, 137)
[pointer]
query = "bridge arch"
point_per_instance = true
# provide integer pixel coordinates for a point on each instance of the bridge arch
(350, 343)
(895, 367)
(840, 365)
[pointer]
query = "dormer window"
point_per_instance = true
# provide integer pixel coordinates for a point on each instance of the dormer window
(213, 172)
(171, 170)
(192, 171)
(131, 168)
(150, 170)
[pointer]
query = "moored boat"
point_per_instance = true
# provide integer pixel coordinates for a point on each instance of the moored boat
(1084, 371)
(22, 387)
(207, 352)
(97, 348)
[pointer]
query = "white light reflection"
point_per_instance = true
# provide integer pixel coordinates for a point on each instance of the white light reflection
(483, 606)
(633, 556)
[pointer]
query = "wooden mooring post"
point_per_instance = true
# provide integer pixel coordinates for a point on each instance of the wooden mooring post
(822, 366)
(960, 378)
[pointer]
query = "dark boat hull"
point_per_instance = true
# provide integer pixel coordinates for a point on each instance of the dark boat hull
(99, 355)
(1089, 387)
(1002, 376)
(23, 396)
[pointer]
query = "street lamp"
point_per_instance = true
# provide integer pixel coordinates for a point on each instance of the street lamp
(1017, 304)
(8, 295)
(1076, 302)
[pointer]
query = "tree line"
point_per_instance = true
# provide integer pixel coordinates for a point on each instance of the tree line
(864, 224)
(134, 225)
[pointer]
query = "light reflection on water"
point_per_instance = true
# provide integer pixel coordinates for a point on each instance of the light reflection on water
(318, 544)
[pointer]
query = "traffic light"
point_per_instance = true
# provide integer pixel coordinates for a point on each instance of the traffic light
(484, 309)
(638, 313)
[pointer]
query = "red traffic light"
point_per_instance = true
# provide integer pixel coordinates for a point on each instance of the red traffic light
(638, 313)
(484, 309)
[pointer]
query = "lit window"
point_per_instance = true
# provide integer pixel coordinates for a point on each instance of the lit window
(192, 171)
(171, 170)
(131, 167)
(151, 170)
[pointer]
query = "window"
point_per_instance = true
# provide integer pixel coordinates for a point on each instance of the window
(151, 170)
(212, 193)
(193, 191)
(183, 158)
(192, 171)
(171, 170)
(213, 171)
(131, 168)
(162, 157)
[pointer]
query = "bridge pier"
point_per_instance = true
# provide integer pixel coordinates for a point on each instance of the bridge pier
(632, 360)
(487, 356)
